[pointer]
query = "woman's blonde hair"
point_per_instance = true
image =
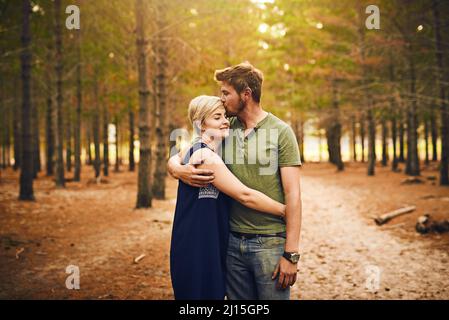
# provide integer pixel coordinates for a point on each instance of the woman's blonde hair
(200, 108)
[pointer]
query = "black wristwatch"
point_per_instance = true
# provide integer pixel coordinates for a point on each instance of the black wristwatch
(293, 257)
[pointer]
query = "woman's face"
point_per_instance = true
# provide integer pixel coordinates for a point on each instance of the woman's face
(216, 125)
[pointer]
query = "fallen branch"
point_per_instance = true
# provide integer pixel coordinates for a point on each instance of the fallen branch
(426, 224)
(136, 260)
(393, 214)
(412, 180)
(18, 252)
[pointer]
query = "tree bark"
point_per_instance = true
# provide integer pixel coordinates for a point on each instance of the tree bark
(362, 135)
(88, 146)
(371, 141)
(26, 173)
(105, 140)
(79, 96)
(96, 128)
(131, 140)
(144, 195)
(384, 142)
(36, 140)
(353, 138)
(394, 165)
(68, 136)
(117, 155)
(161, 122)
(59, 137)
(333, 132)
(444, 110)
(434, 134)
(412, 163)
(426, 140)
(401, 137)
(17, 129)
(49, 127)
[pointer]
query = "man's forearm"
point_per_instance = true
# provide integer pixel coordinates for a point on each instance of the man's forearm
(293, 216)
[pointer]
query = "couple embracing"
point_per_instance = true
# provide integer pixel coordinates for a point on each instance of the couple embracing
(238, 212)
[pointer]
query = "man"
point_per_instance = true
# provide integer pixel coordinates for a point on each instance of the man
(263, 249)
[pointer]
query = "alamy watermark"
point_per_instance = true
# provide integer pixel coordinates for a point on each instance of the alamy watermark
(72, 282)
(73, 20)
(372, 282)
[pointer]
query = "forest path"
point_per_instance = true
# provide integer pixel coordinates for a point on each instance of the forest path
(96, 228)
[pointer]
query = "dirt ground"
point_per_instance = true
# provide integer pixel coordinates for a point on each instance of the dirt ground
(95, 227)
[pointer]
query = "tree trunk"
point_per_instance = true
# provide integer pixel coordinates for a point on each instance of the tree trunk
(144, 196)
(434, 133)
(394, 165)
(105, 140)
(412, 164)
(334, 131)
(371, 141)
(79, 96)
(131, 140)
(161, 123)
(26, 173)
(68, 136)
(362, 135)
(88, 147)
(49, 127)
(426, 140)
(117, 156)
(4, 123)
(96, 128)
(394, 113)
(8, 136)
(60, 182)
(17, 129)
(384, 142)
(401, 137)
(444, 109)
(36, 140)
(353, 138)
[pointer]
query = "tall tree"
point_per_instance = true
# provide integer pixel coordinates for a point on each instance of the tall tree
(26, 173)
(144, 194)
(59, 137)
(162, 106)
(131, 139)
(79, 96)
(444, 109)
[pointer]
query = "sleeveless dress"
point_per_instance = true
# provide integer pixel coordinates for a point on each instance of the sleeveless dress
(199, 240)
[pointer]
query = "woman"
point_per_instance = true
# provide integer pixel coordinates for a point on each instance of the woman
(200, 228)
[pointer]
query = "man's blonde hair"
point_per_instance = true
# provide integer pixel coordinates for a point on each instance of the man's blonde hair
(202, 107)
(242, 76)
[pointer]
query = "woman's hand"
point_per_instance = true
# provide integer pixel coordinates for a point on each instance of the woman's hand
(189, 173)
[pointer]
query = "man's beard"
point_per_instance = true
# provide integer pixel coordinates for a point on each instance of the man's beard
(241, 105)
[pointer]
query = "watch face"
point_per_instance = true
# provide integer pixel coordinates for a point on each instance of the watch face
(293, 257)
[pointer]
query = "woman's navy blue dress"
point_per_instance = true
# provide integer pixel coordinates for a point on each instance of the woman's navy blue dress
(199, 240)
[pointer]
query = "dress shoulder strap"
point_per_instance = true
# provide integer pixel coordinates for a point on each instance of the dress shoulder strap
(196, 146)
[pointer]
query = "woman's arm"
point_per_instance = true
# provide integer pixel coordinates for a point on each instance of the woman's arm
(189, 174)
(226, 182)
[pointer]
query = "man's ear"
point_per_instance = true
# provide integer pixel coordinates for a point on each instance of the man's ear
(246, 94)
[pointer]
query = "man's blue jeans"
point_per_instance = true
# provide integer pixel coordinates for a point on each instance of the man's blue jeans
(250, 266)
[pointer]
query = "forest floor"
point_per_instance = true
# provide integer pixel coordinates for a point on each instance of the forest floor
(95, 227)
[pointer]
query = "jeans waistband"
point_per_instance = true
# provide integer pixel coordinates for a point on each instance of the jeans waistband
(255, 235)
